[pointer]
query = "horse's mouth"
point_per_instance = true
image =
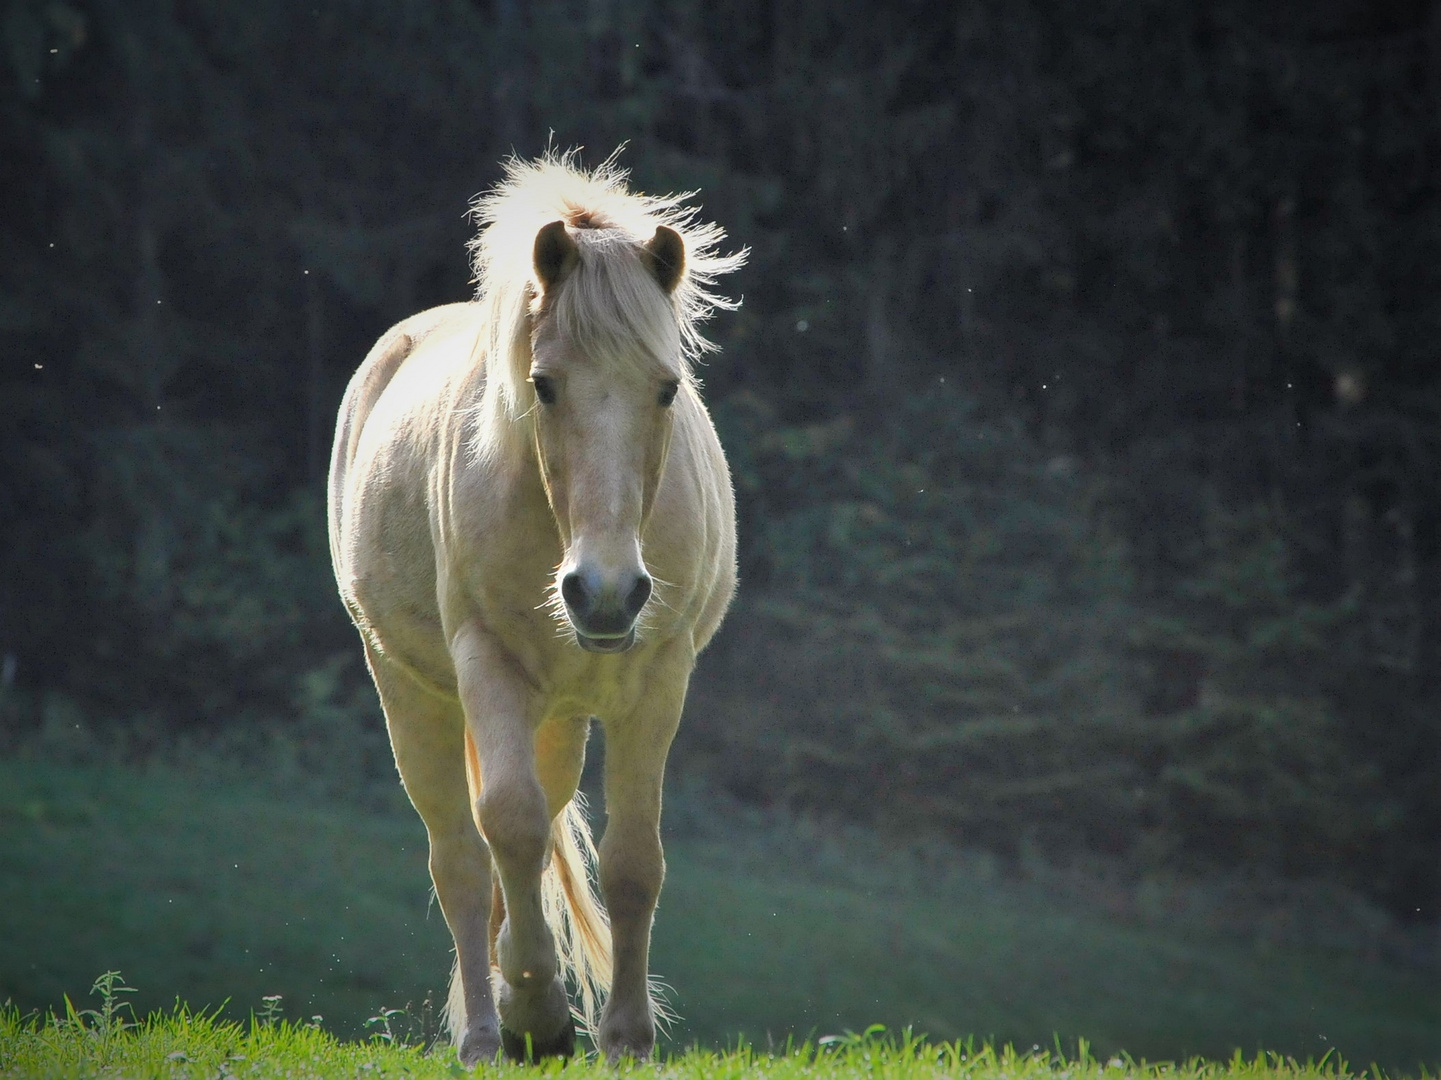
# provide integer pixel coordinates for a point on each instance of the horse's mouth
(606, 644)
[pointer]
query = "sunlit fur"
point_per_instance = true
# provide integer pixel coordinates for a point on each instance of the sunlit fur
(448, 532)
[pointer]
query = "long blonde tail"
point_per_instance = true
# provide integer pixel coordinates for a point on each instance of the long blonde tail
(575, 912)
(572, 910)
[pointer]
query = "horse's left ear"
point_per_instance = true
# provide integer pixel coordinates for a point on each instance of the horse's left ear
(664, 257)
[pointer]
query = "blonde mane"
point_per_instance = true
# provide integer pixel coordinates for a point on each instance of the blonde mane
(608, 306)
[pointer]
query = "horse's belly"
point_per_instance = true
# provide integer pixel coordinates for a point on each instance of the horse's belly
(405, 631)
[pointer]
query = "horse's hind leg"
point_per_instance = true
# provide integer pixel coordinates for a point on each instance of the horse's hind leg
(514, 813)
(427, 733)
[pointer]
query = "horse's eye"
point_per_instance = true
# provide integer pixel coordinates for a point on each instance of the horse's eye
(544, 389)
(668, 391)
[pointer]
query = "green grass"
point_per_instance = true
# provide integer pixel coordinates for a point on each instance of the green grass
(198, 886)
(1003, 965)
(202, 887)
(104, 1042)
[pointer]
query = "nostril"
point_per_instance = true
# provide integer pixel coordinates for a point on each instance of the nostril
(572, 591)
(639, 594)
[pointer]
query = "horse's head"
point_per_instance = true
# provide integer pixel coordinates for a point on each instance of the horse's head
(606, 366)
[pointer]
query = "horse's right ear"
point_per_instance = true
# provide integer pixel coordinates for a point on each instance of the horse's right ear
(555, 255)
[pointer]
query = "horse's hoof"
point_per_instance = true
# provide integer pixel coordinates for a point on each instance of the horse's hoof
(626, 1034)
(619, 1048)
(618, 1054)
(527, 1049)
(479, 1046)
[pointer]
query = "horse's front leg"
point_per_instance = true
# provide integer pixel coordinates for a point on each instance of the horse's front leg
(632, 865)
(513, 814)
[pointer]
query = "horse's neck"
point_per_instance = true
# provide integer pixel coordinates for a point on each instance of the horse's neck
(494, 459)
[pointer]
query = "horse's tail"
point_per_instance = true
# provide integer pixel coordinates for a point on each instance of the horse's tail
(572, 910)
(583, 941)
(575, 913)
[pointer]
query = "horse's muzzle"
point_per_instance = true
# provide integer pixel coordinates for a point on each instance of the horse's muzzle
(606, 644)
(602, 612)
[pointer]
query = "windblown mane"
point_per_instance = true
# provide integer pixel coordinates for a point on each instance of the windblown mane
(605, 304)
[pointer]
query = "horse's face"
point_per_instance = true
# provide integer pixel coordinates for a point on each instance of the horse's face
(603, 419)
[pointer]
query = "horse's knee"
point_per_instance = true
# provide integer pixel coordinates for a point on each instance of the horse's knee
(632, 870)
(515, 823)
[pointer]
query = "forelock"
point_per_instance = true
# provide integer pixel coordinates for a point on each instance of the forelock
(611, 307)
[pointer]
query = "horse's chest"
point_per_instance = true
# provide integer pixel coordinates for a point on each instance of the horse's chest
(584, 685)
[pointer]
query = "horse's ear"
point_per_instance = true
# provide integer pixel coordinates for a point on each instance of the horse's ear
(555, 255)
(664, 257)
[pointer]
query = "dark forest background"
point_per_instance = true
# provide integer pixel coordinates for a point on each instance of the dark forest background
(1084, 406)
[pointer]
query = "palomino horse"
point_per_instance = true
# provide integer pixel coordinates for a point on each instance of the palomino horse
(532, 524)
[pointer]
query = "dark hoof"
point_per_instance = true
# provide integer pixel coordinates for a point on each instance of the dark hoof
(479, 1047)
(528, 1050)
(626, 1034)
(619, 1055)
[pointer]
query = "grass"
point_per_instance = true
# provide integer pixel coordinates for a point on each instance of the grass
(106, 1042)
(198, 886)
(1008, 966)
(205, 888)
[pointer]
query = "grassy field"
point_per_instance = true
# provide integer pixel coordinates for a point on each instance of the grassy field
(181, 1046)
(203, 888)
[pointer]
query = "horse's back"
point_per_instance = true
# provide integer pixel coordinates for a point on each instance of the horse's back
(375, 374)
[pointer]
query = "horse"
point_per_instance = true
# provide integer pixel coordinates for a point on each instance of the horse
(532, 526)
